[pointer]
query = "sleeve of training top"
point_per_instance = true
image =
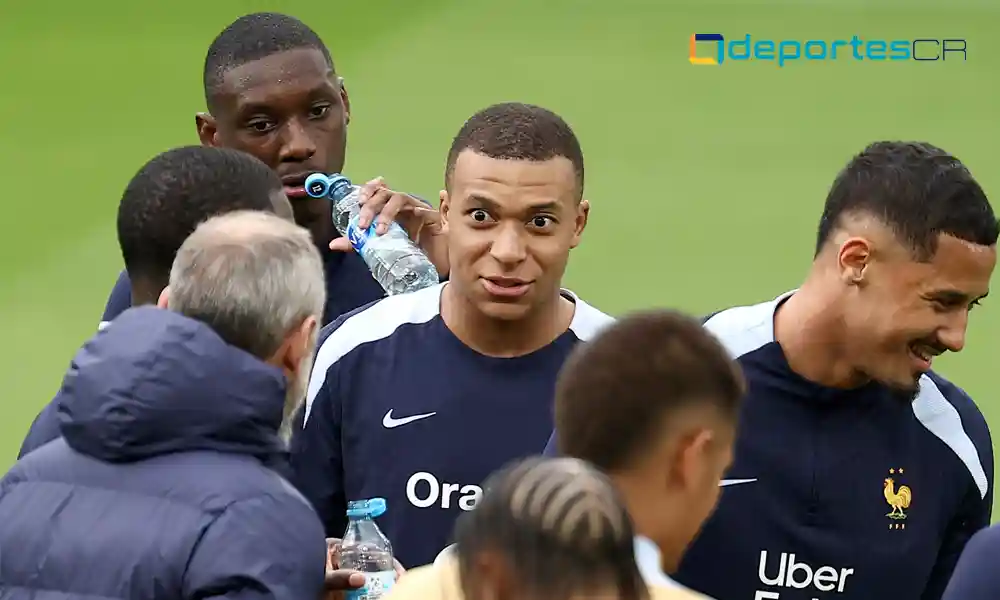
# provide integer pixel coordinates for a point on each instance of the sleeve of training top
(964, 526)
(976, 576)
(316, 459)
(976, 511)
(120, 299)
(268, 547)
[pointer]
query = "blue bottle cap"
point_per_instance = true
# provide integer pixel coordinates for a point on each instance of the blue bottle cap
(336, 179)
(371, 508)
(317, 185)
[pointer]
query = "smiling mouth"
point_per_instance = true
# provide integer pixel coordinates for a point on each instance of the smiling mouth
(924, 355)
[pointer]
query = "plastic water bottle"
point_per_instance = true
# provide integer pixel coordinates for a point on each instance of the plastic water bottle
(393, 259)
(365, 548)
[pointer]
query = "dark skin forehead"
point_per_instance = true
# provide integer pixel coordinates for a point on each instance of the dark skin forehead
(273, 81)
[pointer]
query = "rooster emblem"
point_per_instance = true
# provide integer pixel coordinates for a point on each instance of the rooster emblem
(898, 499)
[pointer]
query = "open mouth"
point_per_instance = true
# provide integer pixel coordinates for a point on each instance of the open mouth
(923, 355)
(506, 287)
(294, 186)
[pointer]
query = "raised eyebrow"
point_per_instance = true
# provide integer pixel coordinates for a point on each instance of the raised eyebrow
(484, 202)
(544, 206)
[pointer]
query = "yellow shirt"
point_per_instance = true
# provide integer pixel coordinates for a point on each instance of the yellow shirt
(441, 582)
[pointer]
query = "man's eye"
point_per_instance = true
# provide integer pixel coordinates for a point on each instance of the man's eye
(542, 221)
(319, 111)
(480, 216)
(260, 125)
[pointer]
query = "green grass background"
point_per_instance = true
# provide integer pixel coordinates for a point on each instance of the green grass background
(706, 182)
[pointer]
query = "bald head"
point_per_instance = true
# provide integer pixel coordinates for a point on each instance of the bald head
(251, 276)
(541, 516)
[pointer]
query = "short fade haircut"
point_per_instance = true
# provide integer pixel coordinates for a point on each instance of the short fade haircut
(916, 189)
(253, 37)
(548, 516)
(516, 131)
(251, 276)
(616, 393)
(174, 192)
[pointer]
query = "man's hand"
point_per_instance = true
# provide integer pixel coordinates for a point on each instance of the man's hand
(340, 580)
(382, 206)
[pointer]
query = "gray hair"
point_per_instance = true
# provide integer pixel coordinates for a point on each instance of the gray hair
(251, 276)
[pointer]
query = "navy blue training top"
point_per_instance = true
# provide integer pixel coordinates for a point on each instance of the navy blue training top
(399, 408)
(849, 494)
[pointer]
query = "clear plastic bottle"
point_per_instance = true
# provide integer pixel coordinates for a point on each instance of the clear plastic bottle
(393, 259)
(365, 548)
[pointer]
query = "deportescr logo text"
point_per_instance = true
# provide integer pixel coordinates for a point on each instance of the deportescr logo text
(424, 490)
(790, 573)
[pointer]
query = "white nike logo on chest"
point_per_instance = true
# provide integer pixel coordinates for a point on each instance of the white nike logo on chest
(729, 482)
(389, 422)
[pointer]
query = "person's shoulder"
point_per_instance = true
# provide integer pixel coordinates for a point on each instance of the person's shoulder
(678, 592)
(376, 321)
(588, 320)
(955, 396)
(119, 300)
(954, 418)
(438, 581)
(744, 329)
(975, 575)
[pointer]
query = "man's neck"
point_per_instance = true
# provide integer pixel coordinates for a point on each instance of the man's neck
(809, 327)
(504, 338)
(653, 517)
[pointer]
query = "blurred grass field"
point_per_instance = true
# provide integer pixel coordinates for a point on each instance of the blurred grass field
(706, 182)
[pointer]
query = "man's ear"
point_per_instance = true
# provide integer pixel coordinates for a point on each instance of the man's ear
(582, 214)
(299, 343)
(346, 100)
(443, 208)
(208, 131)
(164, 300)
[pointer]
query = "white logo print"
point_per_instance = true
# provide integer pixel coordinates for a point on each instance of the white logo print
(790, 573)
(424, 490)
(728, 482)
(389, 423)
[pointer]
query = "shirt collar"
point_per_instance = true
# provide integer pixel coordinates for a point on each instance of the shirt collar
(647, 558)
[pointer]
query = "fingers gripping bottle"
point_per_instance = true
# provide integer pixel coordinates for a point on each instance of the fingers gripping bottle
(365, 548)
(393, 259)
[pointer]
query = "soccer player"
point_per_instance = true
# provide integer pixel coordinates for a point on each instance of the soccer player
(418, 397)
(162, 204)
(272, 91)
(552, 529)
(858, 470)
(653, 401)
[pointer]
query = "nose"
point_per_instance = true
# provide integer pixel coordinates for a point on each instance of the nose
(296, 144)
(508, 246)
(952, 336)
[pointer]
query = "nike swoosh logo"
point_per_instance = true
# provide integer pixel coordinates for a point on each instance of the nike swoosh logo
(390, 423)
(729, 482)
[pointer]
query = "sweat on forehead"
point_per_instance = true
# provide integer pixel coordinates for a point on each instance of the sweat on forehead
(253, 37)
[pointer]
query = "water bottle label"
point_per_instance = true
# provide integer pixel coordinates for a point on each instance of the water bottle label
(359, 237)
(377, 586)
